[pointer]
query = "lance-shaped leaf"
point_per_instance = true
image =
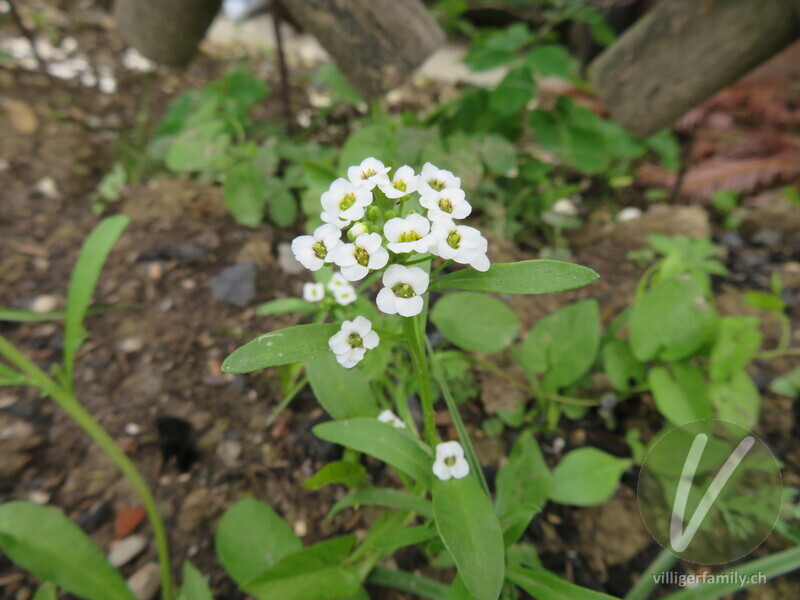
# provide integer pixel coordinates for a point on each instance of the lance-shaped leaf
(544, 585)
(283, 347)
(387, 497)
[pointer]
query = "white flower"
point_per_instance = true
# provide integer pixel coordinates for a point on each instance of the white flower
(565, 207)
(450, 461)
(409, 234)
(359, 258)
(352, 341)
(461, 243)
(344, 203)
(402, 292)
(313, 251)
(388, 416)
(450, 203)
(368, 174)
(313, 292)
(434, 179)
(343, 292)
(629, 214)
(404, 182)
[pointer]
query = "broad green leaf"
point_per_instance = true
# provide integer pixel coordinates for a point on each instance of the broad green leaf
(738, 339)
(343, 393)
(737, 400)
(385, 497)
(199, 148)
(475, 322)
(514, 92)
(343, 472)
(586, 477)
(673, 320)
(408, 582)
(676, 402)
(458, 590)
(194, 586)
(551, 59)
(282, 203)
(342, 89)
(282, 347)
(515, 523)
(471, 533)
(373, 140)
(46, 591)
(381, 440)
(621, 367)
(44, 542)
(563, 345)
(410, 536)
(83, 281)
(788, 385)
(499, 155)
(245, 194)
(526, 277)
(544, 585)
(281, 306)
(313, 573)
(495, 48)
(525, 479)
(250, 538)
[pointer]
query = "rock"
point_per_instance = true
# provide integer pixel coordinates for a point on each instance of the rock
(127, 520)
(21, 115)
(98, 514)
(130, 345)
(229, 452)
(47, 187)
(45, 303)
(769, 238)
(11, 463)
(146, 582)
(198, 507)
(235, 285)
(258, 249)
(16, 435)
(287, 262)
(126, 550)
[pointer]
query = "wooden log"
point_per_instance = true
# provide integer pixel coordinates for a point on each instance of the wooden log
(166, 31)
(683, 51)
(376, 43)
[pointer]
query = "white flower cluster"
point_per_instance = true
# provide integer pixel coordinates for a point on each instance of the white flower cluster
(378, 233)
(342, 291)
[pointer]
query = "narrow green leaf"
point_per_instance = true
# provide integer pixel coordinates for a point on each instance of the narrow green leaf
(9, 376)
(345, 473)
(525, 479)
(195, 586)
(283, 347)
(343, 393)
(471, 533)
(544, 585)
(526, 277)
(409, 536)
(313, 573)
(20, 315)
(46, 591)
(408, 582)
(385, 497)
(381, 440)
(475, 322)
(738, 339)
(281, 306)
(250, 538)
(41, 540)
(84, 278)
(586, 477)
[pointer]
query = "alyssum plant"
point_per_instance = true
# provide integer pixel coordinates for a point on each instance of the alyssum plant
(391, 228)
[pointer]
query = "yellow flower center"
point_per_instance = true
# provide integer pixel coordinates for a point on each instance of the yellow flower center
(409, 236)
(347, 201)
(320, 251)
(355, 340)
(403, 290)
(446, 205)
(367, 173)
(400, 185)
(450, 461)
(362, 256)
(436, 184)
(454, 239)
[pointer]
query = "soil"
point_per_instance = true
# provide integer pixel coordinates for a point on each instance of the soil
(152, 360)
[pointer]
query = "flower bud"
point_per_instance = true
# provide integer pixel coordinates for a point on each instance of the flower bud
(356, 230)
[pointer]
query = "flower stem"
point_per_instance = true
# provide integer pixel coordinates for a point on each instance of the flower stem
(441, 267)
(415, 334)
(67, 401)
(643, 587)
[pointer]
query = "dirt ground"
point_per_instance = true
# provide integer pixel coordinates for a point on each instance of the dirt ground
(154, 357)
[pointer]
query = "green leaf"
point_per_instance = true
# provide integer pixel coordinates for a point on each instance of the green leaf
(408, 582)
(525, 479)
(84, 278)
(381, 440)
(245, 194)
(195, 586)
(471, 533)
(525, 277)
(373, 140)
(281, 306)
(544, 585)
(499, 155)
(738, 339)
(345, 473)
(621, 367)
(20, 315)
(313, 573)
(675, 403)
(386, 497)
(496, 48)
(788, 385)
(458, 590)
(673, 320)
(737, 400)
(250, 538)
(199, 148)
(563, 345)
(282, 203)
(475, 322)
(44, 542)
(551, 59)
(515, 91)
(282, 347)
(343, 393)
(586, 477)
(46, 591)
(9, 376)
(342, 89)
(410, 536)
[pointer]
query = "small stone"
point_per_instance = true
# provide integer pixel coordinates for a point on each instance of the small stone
(196, 510)
(98, 514)
(229, 452)
(39, 497)
(44, 303)
(4, 165)
(628, 214)
(126, 550)
(287, 262)
(22, 117)
(146, 582)
(235, 285)
(47, 187)
(12, 463)
(133, 429)
(127, 520)
(300, 528)
(769, 238)
(130, 345)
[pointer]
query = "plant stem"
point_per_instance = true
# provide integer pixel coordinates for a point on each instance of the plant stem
(777, 353)
(67, 401)
(644, 586)
(416, 342)
(441, 267)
